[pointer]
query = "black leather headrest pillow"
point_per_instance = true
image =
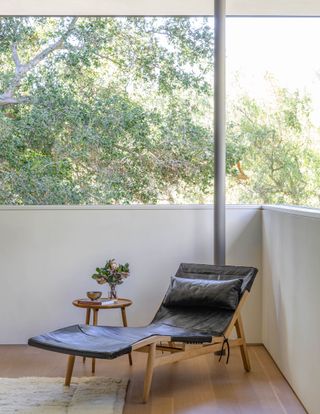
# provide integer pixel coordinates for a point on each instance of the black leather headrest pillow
(223, 294)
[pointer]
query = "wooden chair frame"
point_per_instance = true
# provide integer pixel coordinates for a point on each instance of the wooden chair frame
(180, 351)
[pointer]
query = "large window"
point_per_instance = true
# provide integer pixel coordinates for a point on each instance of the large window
(273, 111)
(105, 110)
(120, 110)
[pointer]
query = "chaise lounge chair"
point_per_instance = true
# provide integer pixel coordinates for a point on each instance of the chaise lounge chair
(196, 317)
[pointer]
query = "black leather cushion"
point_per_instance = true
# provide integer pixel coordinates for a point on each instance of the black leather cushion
(221, 294)
(109, 342)
(215, 272)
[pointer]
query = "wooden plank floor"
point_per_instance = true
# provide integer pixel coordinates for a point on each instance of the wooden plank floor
(198, 386)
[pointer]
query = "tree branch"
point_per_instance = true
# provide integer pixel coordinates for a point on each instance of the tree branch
(51, 48)
(15, 55)
(107, 58)
(21, 70)
(9, 100)
(241, 175)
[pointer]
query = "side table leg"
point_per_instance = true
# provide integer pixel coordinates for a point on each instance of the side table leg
(125, 323)
(87, 323)
(95, 323)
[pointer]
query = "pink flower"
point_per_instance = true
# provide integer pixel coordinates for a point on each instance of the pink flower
(113, 265)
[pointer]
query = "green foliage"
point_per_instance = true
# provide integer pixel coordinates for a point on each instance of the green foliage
(106, 116)
(112, 273)
(119, 111)
(274, 146)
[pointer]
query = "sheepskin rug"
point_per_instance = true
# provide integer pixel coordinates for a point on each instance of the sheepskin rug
(35, 395)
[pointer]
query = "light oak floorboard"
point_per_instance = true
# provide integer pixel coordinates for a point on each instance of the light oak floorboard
(198, 386)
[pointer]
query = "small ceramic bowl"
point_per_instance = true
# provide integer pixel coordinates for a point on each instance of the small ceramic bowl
(94, 295)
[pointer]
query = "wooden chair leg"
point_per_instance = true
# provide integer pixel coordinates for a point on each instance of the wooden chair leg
(125, 324)
(69, 370)
(243, 347)
(149, 372)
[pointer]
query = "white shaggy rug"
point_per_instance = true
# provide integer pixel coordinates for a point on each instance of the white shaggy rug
(35, 395)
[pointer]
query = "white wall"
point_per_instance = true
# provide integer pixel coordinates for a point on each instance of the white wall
(48, 254)
(291, 297)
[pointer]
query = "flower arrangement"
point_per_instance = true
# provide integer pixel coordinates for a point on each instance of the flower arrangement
(113, 274)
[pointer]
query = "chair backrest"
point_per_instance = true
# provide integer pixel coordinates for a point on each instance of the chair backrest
(205, 319)
(215, 272)
(202, 318)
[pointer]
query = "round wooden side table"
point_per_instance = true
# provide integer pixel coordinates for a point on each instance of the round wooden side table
(121, 303)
